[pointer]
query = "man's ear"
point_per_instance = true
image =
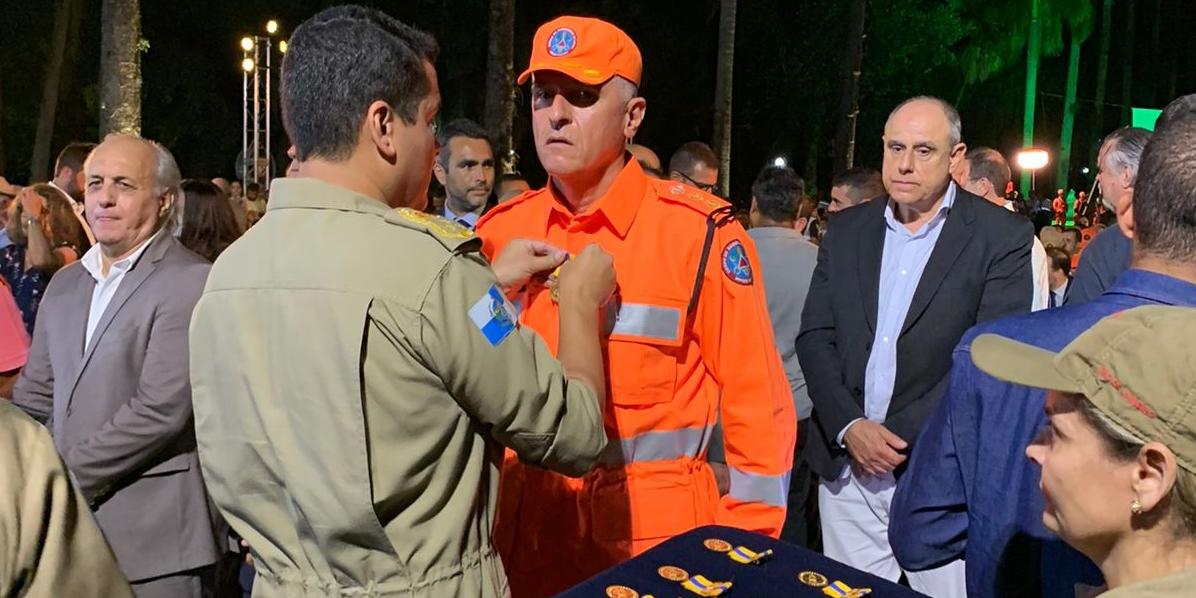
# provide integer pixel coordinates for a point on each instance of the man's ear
(440, 174)
(637, 107)
(801, 224)
(380, 126)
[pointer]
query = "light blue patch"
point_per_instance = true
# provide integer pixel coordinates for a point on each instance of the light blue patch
(735, 263)
(561, 42)
(493, 316)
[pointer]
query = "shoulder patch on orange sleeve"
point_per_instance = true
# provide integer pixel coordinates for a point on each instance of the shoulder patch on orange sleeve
(736, 265)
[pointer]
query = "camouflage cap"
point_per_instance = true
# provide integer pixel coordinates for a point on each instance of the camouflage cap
(1137, 367)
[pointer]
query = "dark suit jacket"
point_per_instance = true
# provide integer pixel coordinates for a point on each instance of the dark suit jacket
(119, 410)
(979, 270)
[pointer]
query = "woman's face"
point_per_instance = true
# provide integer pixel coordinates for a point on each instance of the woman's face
(1087, 491)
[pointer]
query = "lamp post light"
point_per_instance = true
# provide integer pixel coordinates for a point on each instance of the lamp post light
(256, 61)
(1032, 159)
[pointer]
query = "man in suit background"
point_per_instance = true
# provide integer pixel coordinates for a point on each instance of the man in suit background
(898, 281)
(108, 373)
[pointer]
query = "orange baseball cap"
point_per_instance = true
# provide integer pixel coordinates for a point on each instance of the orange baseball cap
(588, 50)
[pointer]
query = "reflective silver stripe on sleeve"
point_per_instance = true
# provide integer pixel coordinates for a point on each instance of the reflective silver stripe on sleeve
(772, 490)
(656, 446)
(649, 321)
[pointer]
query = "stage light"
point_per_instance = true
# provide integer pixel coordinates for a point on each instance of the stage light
(247, 43)
(247, 65)
(282, 47)
(780, 162)
(271, 26)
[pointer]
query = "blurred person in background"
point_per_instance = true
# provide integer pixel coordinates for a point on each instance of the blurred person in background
(209, 224)
(46, 236)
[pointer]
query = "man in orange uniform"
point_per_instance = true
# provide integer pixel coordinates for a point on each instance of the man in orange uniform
(687, 336)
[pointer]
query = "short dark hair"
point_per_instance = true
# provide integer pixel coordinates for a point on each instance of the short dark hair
(339, 62)
(1060, 259)
(1165, 193)
(988, 163)
(866, 181)
(1181, 106)
(461, 127)
(777, 191)
(73, 156)
(689, 155)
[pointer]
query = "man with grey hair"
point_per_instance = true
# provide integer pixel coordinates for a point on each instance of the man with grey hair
(984, 172)
(899, 279)
(1108, 254)
(108, 373)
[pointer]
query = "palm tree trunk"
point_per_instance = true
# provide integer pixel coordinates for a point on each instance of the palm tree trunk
(500, 81)
(1102, 72)
(39, 163)
(849, 98)
(1033, 50)
(120, 67)
(2, 158)
(1063, 166)
(722, 93)
(1127, 67)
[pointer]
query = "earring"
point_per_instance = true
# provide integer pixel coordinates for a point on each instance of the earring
(1135, 507)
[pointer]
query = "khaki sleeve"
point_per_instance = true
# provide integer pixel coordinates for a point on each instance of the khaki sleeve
(49, 543)
(503, 375)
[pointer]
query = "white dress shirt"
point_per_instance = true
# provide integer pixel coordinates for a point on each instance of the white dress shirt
(106, 286)
(1040, 269)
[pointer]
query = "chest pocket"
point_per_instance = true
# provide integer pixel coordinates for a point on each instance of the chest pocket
(645, 339)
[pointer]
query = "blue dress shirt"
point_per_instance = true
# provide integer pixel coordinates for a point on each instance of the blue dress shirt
(904, 258)
(970, 492)
(468, 220)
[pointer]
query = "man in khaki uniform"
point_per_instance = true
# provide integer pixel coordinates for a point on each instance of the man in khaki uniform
(356, 368)
(49, 544)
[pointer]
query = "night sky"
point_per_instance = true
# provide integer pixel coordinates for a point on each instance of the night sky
(788, 68)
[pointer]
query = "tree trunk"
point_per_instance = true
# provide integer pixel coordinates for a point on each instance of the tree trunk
(722, 94)
(1127, 67)
(1069, 112)
(849, 98)
(120, 67)
(39, 163)
(500, 81)
(2, 159)
(1033, 50)
(1102, 73)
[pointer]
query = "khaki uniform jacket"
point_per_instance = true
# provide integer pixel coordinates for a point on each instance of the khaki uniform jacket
(352, 388)
(49, 544)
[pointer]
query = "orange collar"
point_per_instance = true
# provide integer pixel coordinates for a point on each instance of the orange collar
(620, 203)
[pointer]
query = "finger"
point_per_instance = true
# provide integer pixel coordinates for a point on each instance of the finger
(893, 440)
(542, 263)
(544, 248)
(890, 458)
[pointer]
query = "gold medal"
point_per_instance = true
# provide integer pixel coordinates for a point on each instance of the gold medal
(812, 579)
(717, 545)
(621, 592)
(672, 573)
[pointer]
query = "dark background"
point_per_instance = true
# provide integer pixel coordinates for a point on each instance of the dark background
(788, 71)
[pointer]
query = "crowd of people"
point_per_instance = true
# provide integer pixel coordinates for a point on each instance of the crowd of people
(371, 384)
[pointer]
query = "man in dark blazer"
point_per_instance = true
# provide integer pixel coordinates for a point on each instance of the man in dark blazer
(899, 279)
(108, 373)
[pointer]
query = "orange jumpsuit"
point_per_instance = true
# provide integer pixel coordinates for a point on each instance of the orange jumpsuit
(672, 368)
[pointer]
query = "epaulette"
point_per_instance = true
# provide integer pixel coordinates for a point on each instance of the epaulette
(679, 193)
(718, 213)
(507, 205)
(450, 234)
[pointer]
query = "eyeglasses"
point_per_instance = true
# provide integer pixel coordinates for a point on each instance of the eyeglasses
(711, 188)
